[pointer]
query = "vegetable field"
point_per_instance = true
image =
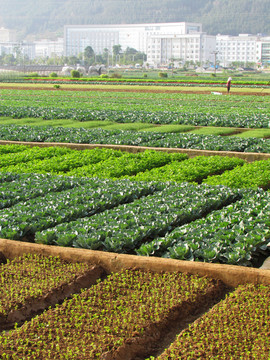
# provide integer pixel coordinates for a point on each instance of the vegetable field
(134, 138)
(127, 314)
(230, 330)
(177, 108)
(149, 203)
(31, 283)
(213, 209)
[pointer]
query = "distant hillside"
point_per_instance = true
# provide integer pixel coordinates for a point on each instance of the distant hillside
(40, 17)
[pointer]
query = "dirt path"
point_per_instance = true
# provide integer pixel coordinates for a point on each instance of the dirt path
(134, 89)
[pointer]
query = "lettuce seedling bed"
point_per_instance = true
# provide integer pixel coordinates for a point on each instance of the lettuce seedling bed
(236, 328)
(31, 283)
(118, 318)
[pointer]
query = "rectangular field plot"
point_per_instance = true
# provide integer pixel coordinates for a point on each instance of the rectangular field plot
(23, 219)
(124, 315)
(236, 234)
(129, 107)
(32, 283)
(235, 328)
(124, 228)
(134, 138)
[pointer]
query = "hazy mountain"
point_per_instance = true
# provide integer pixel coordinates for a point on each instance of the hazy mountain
(33, 17)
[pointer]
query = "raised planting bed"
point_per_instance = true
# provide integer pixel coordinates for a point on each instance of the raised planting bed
(125, 227)
(41, 134)
(119, 318)
(105, 163)
(248, 176)
(15, 188)
(125, 106)
(22, 220)
(31, 283)
(191, 170)
(183, 221)
(236, 328)
(236, 234)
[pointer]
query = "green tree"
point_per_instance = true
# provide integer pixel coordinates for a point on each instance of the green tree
(89, 52)
(117, 49)
(75, 74)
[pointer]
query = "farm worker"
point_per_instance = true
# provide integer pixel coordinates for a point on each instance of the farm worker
(228, 85)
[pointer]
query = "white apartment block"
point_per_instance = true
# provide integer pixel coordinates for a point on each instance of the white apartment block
(100, 37)
(46, 48)
(244, 48)
(22, 49)
(264, 49)
(193, 47)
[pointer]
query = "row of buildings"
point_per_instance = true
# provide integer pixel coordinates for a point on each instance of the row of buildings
(162, 43)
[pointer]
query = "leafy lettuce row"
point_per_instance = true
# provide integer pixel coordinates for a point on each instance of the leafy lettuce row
(191, 170)
(129, 164)
(250, 175)
(126, 227)
(21, 221)
(30, 154)
(235, 234)
(61, 162)
(135, 138)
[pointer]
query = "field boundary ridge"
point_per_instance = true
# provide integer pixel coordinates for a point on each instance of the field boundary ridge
(248, 156)
(230, 275)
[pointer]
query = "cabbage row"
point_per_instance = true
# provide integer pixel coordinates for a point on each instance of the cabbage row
(124, 228)
(164, 117)
(236, 234)
(15, 188)
(21, 221)
(134, 138)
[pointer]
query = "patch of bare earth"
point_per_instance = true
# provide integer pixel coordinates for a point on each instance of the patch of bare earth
(166, 90)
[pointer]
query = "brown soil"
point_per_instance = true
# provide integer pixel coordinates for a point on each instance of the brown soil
(165, 90)
(55, 296)
(158, 336)
(3, 259)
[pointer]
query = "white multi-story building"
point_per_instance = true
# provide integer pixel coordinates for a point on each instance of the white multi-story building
(100, 37)
(18, 49)
(46, 48)
(193, 47)
(264, 51)
(244, 48)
